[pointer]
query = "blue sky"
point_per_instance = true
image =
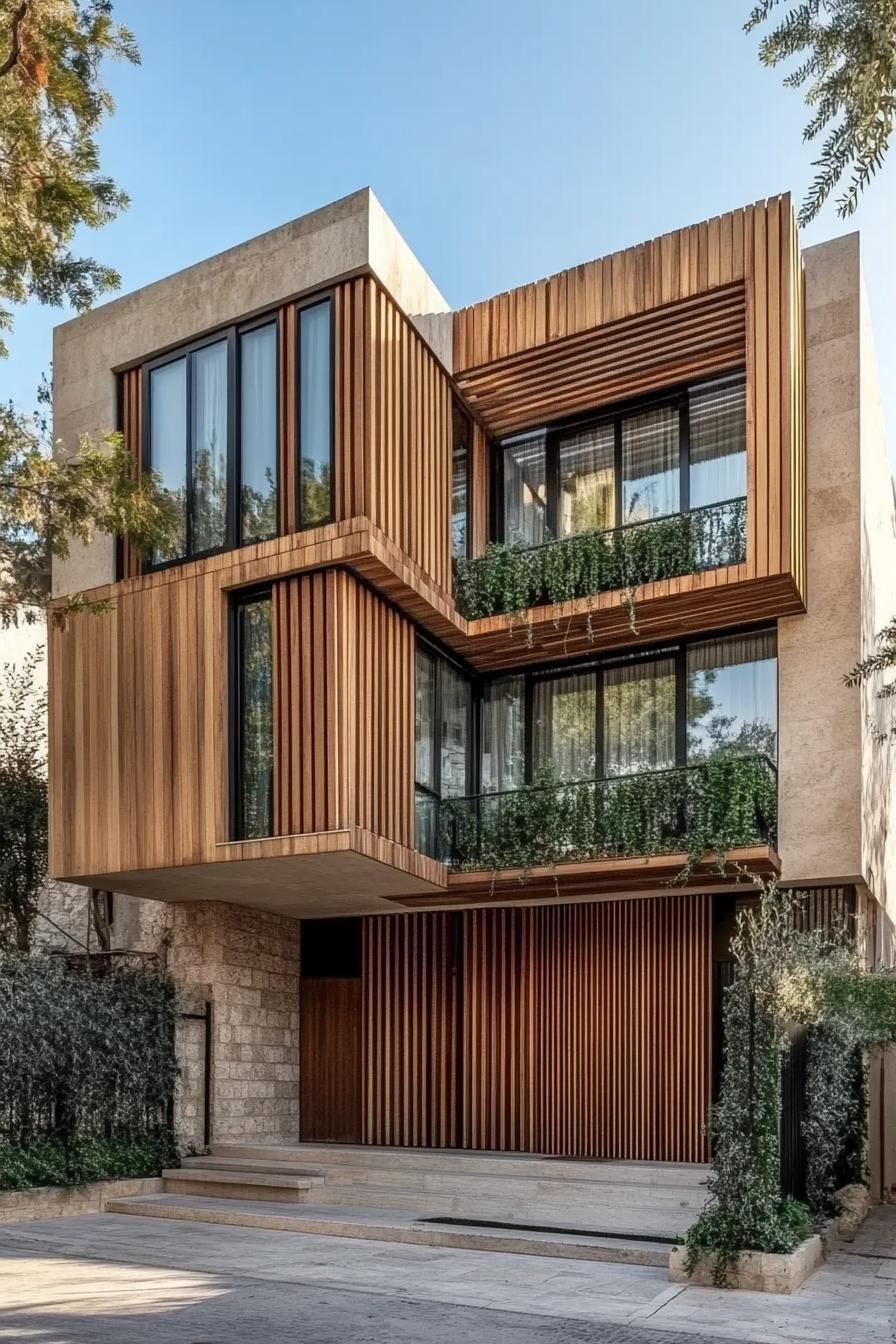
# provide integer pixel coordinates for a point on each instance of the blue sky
(507, 140)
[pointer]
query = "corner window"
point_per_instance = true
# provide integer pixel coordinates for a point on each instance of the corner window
(211, 434)
(252, 718)
(681, 452)
(315, 414)
(443, 713)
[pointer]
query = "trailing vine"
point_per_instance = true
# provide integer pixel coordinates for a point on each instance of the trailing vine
(87, 1071)
(721, 804)
(512, 578)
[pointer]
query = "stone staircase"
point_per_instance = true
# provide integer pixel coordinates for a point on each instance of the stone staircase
(623, 1211)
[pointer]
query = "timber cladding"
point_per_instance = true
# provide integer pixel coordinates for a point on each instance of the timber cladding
(724, 293)
(139, 722)
(576, 1030)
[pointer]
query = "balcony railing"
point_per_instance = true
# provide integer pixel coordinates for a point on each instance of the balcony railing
(512, 577)
(723, 803)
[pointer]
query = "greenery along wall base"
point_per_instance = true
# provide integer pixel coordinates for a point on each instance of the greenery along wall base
(787, 976)
(724, 803)
(512, 577)
(87, 1072)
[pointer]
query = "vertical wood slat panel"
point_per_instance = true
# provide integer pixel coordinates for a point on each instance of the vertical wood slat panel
(344, 709)
(410, 994)
(586, 1029)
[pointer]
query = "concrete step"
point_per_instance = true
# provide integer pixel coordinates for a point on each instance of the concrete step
(370, 1156)
(248, 1164)
(219, 1182)
(571, 1243)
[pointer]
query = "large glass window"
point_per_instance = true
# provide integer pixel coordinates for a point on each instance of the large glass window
(564, 717)
(639, 717)
(258, 433)
(732, 696)
(503, 735)
(460, 484)
(168, 444)
(209, 444)
(525, 489)
(253, 725)
(587, 500)
(718, 433)
(627, 466)
(212, 437)
(650, 472)
(626, 716)
(443, 713)
(315, 415)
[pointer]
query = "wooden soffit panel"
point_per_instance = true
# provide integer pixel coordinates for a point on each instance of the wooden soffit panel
(690, 339)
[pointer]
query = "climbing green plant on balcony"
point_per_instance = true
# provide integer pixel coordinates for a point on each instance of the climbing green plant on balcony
(511, 577)
(720, 804)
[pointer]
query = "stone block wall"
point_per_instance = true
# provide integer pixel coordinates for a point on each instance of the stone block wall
(246, 963)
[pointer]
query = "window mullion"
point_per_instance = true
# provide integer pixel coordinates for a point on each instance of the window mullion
(189, 441)
(234, 470)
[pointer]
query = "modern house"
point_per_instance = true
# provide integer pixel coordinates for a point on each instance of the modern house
(496, 650)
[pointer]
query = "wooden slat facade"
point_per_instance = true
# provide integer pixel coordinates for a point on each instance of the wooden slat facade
(694, 302)
(139, 696)
(139, 723)
(585, 1029)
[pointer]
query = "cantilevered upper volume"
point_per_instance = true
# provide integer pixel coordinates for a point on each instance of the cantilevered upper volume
(435, 569)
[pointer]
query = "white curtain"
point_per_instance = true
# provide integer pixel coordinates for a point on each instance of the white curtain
(587, 493)
(258, 432)
(639, 717)
(503, 735)
(650, 464)
(168, 443)
(718, 441)
(564, 729)
(209, 412)
(315, 412)
(525, 490)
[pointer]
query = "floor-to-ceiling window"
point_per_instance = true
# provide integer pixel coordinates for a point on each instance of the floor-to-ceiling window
(252, 718)
(684, 451)
(443, 721)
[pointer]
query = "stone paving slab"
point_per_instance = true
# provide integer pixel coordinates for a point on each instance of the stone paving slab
(62, 1278)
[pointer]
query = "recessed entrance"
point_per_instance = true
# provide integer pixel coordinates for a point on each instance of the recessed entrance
(573, 1031)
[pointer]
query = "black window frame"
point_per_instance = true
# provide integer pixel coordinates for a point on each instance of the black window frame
(236, 701)
(230, 336)
(677, 396)
(460, 415)
(439, 659)
(316, 300)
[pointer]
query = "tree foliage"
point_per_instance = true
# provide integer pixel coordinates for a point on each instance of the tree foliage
(23, 800)
(845, 53)
(881, 660)
(52, 103)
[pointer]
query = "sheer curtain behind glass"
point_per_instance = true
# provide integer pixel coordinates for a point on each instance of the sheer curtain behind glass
(564, 725)
(209, 412)
(650, 464)
(424, 749)
(587, 490)
(639, 717)
(258, 433)
(454, 736)
(733, 696)
(168, 444)
(315, 413)
(718, 441)
(503, 763)
(257, 720)
(525, 489)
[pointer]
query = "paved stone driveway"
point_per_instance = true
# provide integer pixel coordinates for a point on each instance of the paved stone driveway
(140, 1280)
